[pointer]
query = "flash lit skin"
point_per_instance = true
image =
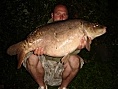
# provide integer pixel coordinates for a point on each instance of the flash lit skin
(71, 67)
(60, 13)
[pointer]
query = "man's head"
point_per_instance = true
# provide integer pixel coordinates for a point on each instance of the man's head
(60, 12)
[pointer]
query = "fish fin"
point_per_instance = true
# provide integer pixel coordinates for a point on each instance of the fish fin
(17, 49)
(65, 58)
(13, 50)
(88, 42)
(20, 57)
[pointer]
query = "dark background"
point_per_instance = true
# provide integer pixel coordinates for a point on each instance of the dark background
(20, 17)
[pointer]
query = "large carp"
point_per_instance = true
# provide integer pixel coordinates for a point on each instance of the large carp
(57, 39)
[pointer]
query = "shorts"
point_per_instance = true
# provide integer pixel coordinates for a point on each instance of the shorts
(53, 70)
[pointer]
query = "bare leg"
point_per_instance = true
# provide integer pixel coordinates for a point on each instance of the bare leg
(70, 70)
(35, 68)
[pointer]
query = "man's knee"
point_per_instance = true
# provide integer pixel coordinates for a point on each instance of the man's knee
(32, 60)
(74, 61)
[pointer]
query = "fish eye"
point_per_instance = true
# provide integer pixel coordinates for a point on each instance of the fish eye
(96, 25)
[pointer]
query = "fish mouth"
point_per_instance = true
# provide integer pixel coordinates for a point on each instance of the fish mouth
(104, 31)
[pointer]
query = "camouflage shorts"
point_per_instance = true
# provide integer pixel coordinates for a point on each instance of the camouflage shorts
(53, 70)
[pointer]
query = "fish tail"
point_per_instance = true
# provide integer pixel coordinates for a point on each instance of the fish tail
(13, 50)
(20, 57)
(19, 50)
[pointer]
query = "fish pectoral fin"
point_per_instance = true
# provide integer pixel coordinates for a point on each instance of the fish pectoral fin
(20, 57)
(88, 43)
(65, 58)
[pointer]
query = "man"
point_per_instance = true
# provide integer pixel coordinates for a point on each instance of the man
(60, 12)
(49, 70)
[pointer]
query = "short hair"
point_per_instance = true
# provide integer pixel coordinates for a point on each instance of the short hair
(53, 8)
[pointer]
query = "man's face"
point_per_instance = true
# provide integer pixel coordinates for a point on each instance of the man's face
(60, 13)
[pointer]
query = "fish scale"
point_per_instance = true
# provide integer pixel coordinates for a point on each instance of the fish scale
(58, 39)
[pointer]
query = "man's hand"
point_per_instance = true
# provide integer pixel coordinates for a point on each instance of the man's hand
(39, 51)
(83, 43)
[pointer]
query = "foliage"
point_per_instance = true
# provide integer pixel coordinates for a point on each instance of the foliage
(20, 17)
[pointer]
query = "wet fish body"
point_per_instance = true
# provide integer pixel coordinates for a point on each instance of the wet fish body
(58, 38)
